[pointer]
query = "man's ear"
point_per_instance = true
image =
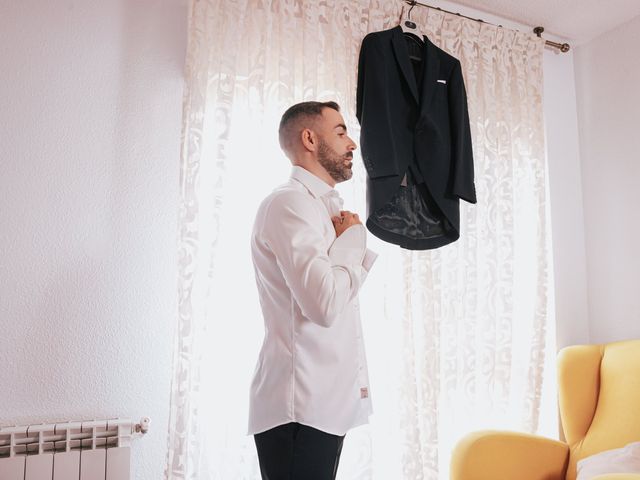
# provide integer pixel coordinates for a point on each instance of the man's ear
(309, 139)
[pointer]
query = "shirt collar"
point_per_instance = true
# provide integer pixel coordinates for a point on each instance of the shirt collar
(316, 186)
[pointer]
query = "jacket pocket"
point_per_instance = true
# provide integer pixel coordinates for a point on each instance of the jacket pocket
(377, 168)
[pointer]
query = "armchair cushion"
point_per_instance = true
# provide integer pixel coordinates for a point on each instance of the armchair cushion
(497, 455)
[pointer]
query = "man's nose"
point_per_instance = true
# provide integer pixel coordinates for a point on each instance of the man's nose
(352, 146)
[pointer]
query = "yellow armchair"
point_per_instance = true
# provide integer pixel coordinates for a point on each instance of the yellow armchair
(599, 400)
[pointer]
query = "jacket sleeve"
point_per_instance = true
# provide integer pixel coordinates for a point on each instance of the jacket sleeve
(376, 134)
(322, 283)
(462, 181)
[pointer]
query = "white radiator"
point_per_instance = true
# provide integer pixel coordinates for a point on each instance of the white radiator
(92, 450)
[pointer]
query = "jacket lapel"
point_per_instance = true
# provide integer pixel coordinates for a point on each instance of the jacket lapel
(402, 57)
(430, 74)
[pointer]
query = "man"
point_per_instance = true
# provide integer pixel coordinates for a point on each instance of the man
(310, 258)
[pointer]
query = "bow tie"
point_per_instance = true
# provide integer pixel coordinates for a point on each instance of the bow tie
(333, 202)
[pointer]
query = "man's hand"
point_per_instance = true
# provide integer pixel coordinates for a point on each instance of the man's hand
(344, 221)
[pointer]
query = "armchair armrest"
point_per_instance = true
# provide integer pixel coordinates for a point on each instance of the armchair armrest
(496, 455)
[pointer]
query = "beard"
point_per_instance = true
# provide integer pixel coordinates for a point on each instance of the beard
(335, 164)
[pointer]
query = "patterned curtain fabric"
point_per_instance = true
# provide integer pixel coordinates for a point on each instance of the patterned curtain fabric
(458, 339)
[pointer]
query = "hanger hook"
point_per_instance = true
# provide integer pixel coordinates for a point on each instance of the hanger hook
(413, 4)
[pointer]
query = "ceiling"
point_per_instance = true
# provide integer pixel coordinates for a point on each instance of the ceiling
(576, 20)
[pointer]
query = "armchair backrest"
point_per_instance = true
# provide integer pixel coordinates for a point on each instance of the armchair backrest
(599, 395)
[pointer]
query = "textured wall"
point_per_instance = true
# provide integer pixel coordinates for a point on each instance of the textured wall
(89, 163)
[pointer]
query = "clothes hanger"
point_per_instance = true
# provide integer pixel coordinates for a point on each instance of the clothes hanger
(409, 26)
(411, 32)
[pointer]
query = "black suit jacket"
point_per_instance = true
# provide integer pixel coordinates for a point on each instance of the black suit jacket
(414, 122)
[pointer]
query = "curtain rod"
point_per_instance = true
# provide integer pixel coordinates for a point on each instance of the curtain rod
(563, 47)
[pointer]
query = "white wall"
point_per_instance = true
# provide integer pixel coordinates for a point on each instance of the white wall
(608, 79)
(565, 197)
(90, 109)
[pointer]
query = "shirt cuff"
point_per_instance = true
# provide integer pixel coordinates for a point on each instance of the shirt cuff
(350, 247)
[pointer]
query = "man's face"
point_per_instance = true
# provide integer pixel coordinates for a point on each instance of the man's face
(335, 151)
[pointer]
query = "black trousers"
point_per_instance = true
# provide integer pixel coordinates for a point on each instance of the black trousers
(298, 452)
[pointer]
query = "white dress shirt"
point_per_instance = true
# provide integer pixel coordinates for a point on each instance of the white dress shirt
(312, 367)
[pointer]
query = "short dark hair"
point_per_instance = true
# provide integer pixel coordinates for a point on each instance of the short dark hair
(300, 111)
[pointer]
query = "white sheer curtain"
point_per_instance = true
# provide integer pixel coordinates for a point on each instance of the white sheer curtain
(458, 338)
